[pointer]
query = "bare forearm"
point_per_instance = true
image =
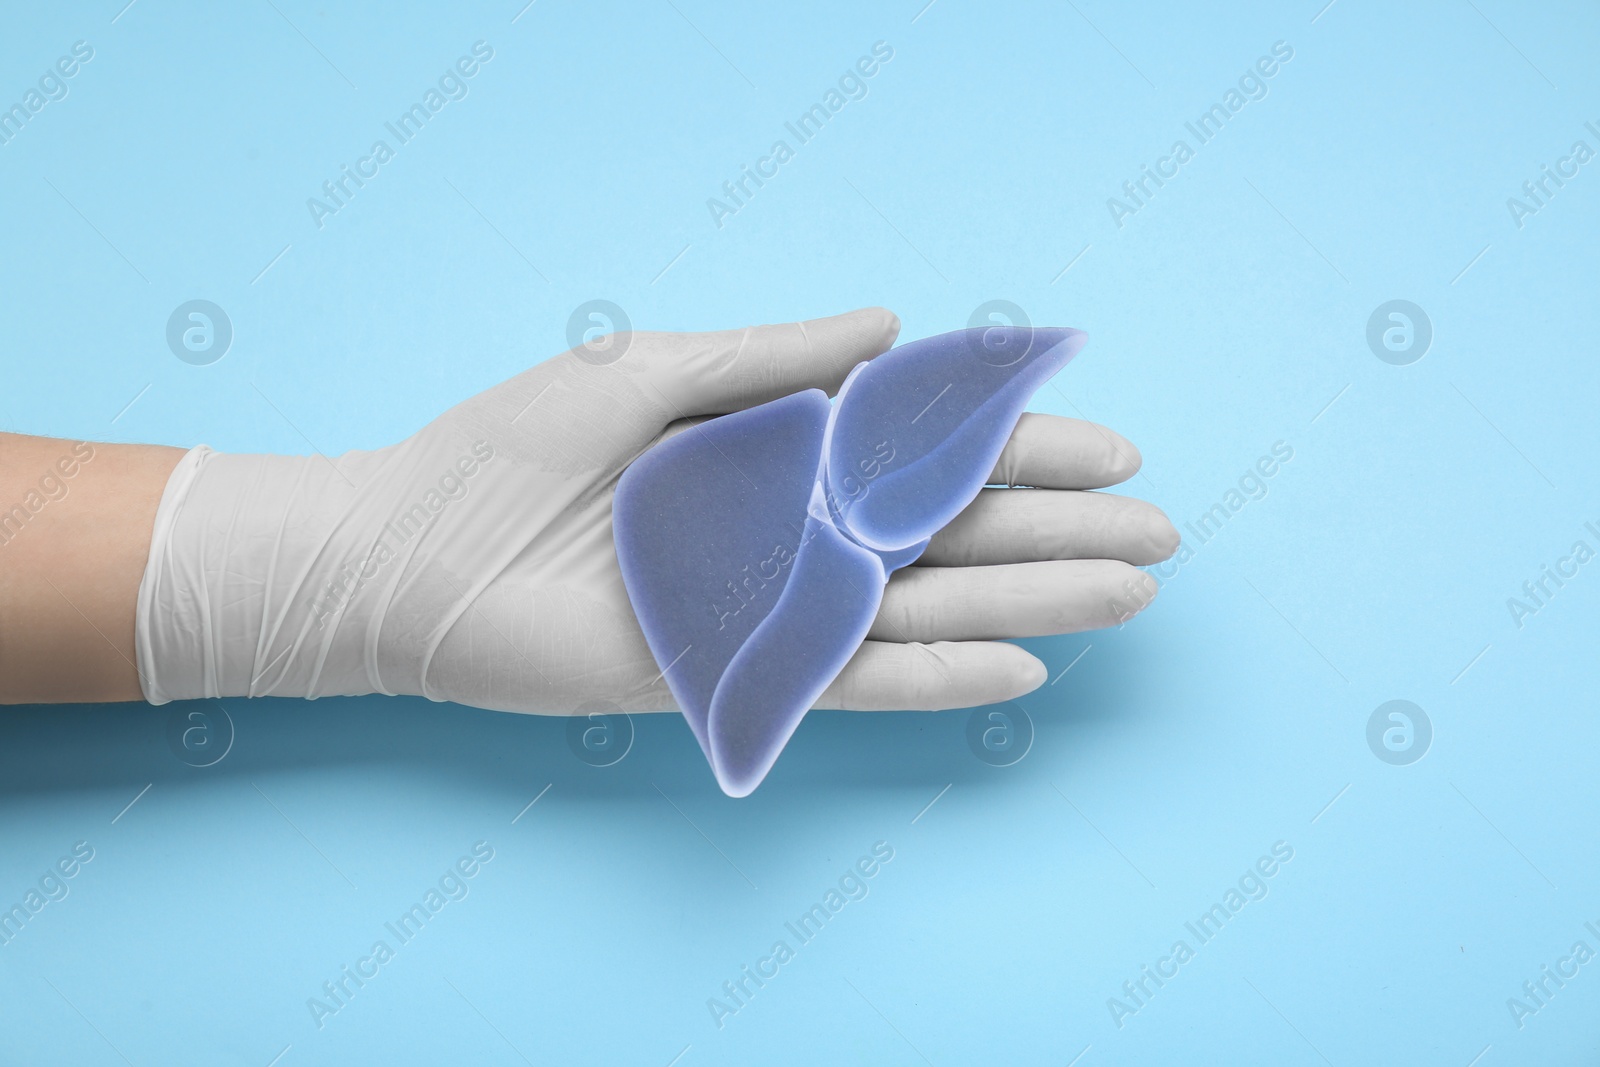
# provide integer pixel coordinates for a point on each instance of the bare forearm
(75, 523)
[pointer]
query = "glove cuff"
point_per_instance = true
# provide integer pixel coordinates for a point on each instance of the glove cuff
(156, 680)
(258, 583)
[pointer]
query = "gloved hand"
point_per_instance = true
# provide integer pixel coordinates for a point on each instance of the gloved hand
(473, 561)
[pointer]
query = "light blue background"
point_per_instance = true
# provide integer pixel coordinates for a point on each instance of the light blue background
(1224, 316)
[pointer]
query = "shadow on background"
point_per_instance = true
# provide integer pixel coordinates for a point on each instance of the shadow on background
(73, 748)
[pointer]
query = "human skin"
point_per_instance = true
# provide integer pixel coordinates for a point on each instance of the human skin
(69, 573)
(1016, 563)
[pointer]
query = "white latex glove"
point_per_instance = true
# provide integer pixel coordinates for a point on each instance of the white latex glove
(473, 561)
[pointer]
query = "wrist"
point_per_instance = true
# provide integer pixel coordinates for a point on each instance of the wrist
(304, 576)
(234, 598)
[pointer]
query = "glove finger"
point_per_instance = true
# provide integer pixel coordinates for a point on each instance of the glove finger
(1028, 525)
(715, 373)
(1017, 600)
(889, 676)
(1054, 452)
